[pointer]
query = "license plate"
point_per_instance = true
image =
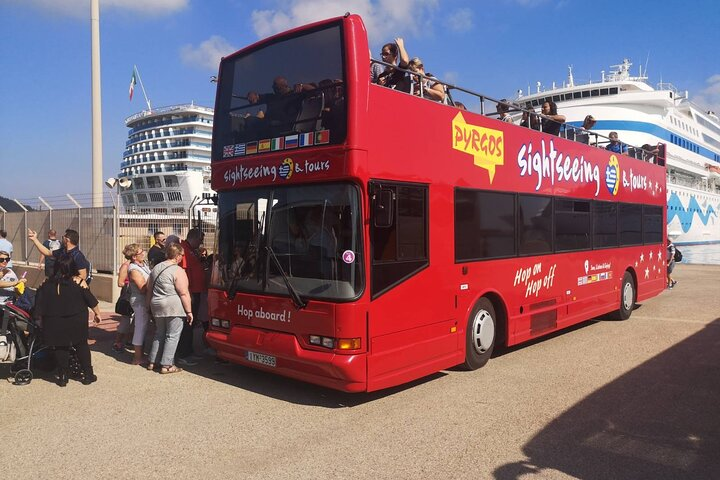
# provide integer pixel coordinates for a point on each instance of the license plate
(262, 359)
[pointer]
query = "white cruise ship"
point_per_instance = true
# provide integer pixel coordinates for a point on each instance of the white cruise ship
(643, 115)
(167, 158)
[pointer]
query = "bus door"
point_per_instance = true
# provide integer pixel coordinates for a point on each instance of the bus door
(410, 324)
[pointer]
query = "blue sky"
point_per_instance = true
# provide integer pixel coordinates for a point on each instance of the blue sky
(490, 46)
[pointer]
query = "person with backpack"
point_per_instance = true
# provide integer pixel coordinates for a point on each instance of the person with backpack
(52, 244)
(671, 254)
(69, 246)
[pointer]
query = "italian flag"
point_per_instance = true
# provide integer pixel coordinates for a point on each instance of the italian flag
(133, 81)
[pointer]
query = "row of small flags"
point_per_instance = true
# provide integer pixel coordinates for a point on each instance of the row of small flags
(279, 143)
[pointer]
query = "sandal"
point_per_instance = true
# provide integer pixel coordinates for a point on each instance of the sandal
(170, 369)
(150, 366)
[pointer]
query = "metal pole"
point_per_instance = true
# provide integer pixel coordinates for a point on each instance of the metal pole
(116, 243)
(97, 173)
(50, 209)
(25, 238)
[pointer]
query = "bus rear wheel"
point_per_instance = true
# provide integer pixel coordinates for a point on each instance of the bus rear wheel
(627, 297)
(480, 334)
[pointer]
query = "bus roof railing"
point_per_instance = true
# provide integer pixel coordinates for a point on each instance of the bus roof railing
(655, 154)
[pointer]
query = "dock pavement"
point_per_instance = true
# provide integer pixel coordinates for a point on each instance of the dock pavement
(605, 399)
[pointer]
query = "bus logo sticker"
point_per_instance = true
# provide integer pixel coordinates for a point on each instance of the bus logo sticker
(484, 144)
(348, 256)
(595, 273)
(286, 168)
(612, 174)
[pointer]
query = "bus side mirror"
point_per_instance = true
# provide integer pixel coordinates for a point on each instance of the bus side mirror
(383, 208)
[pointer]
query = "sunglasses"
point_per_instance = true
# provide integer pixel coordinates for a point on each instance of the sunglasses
(4, 259)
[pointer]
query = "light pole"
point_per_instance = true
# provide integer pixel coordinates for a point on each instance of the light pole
(117, 184)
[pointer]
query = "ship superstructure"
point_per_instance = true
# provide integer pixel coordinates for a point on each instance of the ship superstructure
(167, 159)
(642, 114)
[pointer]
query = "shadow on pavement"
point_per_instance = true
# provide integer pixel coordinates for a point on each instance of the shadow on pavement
(658, 421)
(252, 380)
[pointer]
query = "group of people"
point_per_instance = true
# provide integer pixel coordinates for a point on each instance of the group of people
(426, 85)
(167, 284)
(290, 108)
(419, 82)
(61, 302)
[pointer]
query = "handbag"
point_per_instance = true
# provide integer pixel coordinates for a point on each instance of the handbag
(7, 343)
(122, 306)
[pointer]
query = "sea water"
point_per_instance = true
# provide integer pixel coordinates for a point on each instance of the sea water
(706, 254)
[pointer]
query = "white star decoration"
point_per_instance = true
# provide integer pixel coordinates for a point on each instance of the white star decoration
(651, 254)
(647, 272)
(642, 257)
(659, 254)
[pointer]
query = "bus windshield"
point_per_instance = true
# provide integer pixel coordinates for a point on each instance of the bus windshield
(314, 233)
(288, 88)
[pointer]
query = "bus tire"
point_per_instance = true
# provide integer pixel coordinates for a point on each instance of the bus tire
(628, 294)
(480, 334)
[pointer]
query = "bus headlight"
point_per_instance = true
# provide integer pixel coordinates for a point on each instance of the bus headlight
(215, 322)
(339, 343)
(225, 323)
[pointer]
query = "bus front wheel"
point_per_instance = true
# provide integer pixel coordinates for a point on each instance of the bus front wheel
(627, 297)
(480, 334)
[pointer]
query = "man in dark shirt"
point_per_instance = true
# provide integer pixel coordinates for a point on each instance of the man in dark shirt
(156, 254)
(69, 242)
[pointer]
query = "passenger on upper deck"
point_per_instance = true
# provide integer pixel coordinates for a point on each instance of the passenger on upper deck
(551, 121)
(428, 87)
(282, 105)
(649, 153)
(588, 123)
(460, 105)
(503, 109)
(615, 145)
(392, 77)
(581, 134)
(529, 118)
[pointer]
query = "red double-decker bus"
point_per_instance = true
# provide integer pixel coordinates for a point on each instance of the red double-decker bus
(369, 237)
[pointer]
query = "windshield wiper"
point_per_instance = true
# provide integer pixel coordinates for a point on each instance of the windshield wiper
(299, 302)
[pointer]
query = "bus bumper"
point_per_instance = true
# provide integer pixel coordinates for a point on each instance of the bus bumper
(340, 372)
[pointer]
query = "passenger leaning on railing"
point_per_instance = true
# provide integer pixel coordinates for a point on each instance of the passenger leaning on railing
(551, 120)
(616, 145)
(529, 118)
(426, 86)
(503, 110)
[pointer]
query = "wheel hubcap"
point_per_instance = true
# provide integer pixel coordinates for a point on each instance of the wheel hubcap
(628, 296)
(483, 331)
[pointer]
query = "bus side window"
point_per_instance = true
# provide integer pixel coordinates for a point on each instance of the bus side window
(398, 235)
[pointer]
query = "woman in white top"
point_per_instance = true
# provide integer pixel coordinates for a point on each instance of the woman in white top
(138, 272)
(8, 279)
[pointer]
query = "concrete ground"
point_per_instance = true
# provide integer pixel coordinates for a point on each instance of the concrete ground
(606, 399)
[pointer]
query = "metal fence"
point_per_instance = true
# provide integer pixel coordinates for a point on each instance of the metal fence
(103, 232)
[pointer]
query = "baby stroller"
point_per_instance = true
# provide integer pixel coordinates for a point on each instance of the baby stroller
(19, 327)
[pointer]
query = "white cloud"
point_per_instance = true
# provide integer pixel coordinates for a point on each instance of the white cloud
(709, 97)
(81, 8)
(207, 55)
(460, 20)
(384, 19)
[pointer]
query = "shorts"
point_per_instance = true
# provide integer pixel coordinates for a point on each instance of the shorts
(670, 267)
